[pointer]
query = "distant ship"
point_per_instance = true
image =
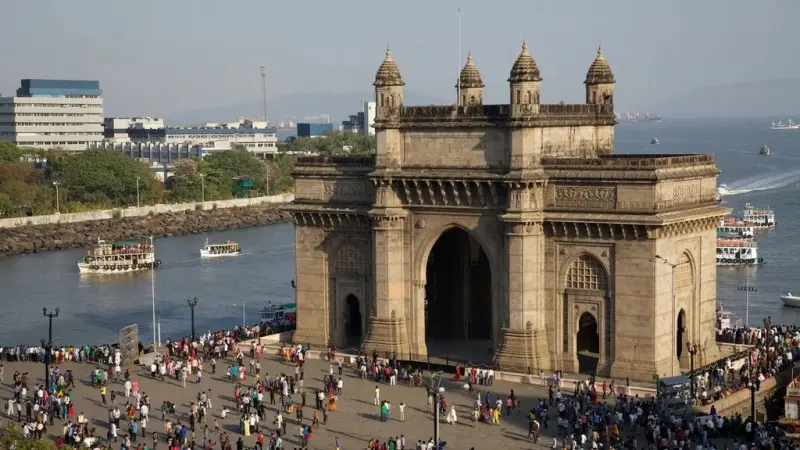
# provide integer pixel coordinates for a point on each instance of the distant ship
(785, 126)
(654, 141)
(627, 117)
(765, 150)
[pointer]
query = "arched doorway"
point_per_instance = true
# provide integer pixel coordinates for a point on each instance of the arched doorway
(588, 343)
(458, 298)
(680, 334)
(353, 319)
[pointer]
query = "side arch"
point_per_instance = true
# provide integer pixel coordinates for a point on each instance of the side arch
(687, 302)
(349, 274)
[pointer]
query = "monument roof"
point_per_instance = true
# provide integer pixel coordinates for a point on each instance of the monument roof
(599, 72)
(388, 73)
(470, 75)
(525, 68)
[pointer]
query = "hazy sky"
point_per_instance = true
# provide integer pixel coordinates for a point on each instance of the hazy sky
(162, 57)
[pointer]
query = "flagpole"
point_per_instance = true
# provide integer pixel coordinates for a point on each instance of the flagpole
(458, 65)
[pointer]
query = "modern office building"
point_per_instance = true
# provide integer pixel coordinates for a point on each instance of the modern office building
(313, 129)
(363, 122)
(147, 132)
(65, 114)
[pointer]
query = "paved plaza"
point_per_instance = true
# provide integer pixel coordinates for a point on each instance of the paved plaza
(355, 421)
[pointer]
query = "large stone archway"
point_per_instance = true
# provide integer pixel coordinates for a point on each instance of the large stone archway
(685, 301)
(458, 297)
(587, 294)
(349, 286)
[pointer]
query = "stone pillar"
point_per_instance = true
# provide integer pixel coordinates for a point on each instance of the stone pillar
(386, 330)
(416, 325)
(523, 343)
(311, 292)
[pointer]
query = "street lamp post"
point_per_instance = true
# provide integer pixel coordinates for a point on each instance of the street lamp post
(192, 302)
(244, 316)
(438, 390)
(58, 205)
(753, 384)
(138, 204)
(203, 187)
(672, 316)
(747, 290)
(48, 346)
(692, 348)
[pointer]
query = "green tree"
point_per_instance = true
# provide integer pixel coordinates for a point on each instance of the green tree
(11, 437)
(280, 173)
(107, 177)
(7, 208)
(222, 169)
(331, 144)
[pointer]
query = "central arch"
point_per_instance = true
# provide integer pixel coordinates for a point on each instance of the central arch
(588, 343)
(458, 297)
(353, 318)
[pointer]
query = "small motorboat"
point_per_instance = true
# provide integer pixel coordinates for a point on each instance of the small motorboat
(654, 141)
(765, 150)
(790, 300)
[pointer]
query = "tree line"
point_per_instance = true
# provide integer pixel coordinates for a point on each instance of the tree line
(30, 179)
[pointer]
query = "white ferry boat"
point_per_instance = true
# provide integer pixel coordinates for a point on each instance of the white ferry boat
(765, 150)
(654, 141)
(737, 251)
(736, 228)
(790, 300)
(119, 257)
(229, 248)
(758, 217)
(727, 319)
(785, 126)
(282, 314)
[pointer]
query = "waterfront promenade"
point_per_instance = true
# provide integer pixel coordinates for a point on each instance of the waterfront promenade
(355, 421)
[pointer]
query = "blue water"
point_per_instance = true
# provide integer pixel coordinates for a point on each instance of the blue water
(94, 308)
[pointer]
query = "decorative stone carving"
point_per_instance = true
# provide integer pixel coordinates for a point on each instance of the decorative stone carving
(420, 223)
(346, 189)
(589, 197)
(562, 252)
(686, 191)
(604, 254)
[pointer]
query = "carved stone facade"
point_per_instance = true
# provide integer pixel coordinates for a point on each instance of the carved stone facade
(556, 244)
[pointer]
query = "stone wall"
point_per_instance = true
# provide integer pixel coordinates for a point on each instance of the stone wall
(57, 236)
(143, 211)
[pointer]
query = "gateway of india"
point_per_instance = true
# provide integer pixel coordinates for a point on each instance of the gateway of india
(508, 234)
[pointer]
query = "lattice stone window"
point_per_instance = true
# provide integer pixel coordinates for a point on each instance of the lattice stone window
(349, 260)
(587, 273)
(684, 278)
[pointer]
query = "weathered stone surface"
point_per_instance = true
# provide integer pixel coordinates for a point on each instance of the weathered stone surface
(43, 238)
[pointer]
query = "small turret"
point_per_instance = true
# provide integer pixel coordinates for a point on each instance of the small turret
(470, 84)
(599, 81)
(524, 79)
(388, 83)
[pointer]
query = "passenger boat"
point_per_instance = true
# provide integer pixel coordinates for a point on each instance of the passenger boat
(758, 217)
(765, 150)
(727, 319)
(229, 248)
(119, 257)
(282, 314)
(733, 251)
(790, 300)
(654, 141)
(736, 228)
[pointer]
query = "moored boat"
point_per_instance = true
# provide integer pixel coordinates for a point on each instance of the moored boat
(733, 251)
(759, 217)
(119, 257)
(736, 228)
(727, 319)
(278, 315)
(229, 248)
(785, 126)
(765, 150)
(790, 300)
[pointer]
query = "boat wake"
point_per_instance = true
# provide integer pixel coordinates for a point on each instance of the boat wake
(760, 183)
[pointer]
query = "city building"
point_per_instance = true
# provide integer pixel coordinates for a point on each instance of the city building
(253, 135)
(362, 122)
(313, 129)
(65, 114)
(509, 234)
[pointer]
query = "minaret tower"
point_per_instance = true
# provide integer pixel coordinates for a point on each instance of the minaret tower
(470, 84)
(388, 86)
(599, 81)
(524, 79)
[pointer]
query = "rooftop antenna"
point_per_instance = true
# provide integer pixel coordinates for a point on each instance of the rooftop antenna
(458, 84)
(264, 92)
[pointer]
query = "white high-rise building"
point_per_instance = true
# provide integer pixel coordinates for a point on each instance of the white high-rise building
(65, 114)
(369, 119)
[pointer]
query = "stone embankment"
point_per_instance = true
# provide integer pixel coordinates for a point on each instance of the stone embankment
(58, 236)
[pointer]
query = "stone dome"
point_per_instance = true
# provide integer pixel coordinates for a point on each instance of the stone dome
(524, 68)
(599, 72)
(388, 73)
(470, 76)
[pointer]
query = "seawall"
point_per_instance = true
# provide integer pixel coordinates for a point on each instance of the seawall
(55, 232)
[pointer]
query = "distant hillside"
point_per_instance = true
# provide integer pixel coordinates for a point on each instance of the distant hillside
(775, 98)
(295, 107)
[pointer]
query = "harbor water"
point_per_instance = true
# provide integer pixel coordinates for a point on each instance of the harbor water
(94, 308)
